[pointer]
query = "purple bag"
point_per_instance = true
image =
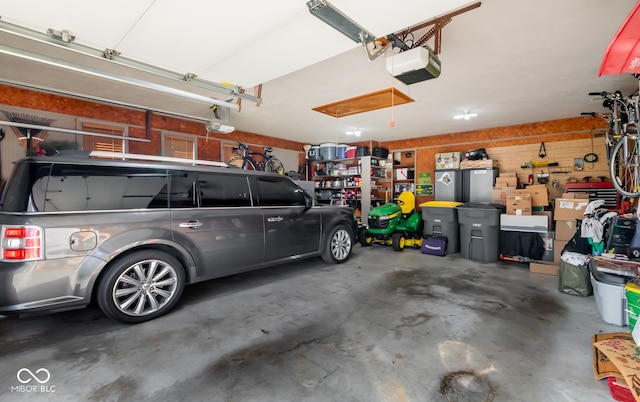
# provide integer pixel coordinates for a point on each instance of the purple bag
(434, 245)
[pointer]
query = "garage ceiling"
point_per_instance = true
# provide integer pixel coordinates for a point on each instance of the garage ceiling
(511, 62)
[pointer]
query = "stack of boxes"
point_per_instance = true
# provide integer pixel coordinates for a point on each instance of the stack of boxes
(525, 213)
(506, 184)
(568, 210)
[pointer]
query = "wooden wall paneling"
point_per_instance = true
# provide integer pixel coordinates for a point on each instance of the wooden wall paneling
(209, 149)
(136, 121)
(70, 106)
(503, 143)
(511, 158)
(555, 130)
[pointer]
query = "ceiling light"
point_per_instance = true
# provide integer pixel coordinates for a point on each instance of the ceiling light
(354, 132)
(466, 115)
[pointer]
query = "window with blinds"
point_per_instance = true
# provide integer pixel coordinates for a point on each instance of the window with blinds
(91, 143)
(179, 146)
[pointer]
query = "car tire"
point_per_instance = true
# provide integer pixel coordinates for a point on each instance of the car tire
(398, 241)
(338, 245)
(126, 297)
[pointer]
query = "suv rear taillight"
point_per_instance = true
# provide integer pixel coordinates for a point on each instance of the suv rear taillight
(21, 243)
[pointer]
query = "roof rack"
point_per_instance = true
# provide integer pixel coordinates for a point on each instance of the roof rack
(119, 155)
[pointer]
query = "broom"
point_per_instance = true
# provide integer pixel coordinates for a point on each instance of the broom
(25, 118)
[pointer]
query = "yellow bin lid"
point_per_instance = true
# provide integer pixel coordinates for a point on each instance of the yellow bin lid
(443, 204)
(632, 287)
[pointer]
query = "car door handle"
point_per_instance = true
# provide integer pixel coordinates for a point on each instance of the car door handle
(191, 224)
(275, 219)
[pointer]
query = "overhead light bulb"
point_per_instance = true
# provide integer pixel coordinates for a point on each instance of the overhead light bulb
(354, 132)
(466, 115)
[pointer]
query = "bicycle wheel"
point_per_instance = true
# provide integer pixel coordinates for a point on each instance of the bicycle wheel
(242, 163)
(623, 167)
(274, 165)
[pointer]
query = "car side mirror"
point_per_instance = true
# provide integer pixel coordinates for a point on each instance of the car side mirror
(308, 201)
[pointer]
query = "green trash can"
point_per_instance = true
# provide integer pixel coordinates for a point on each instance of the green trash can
(632, 292)
(480, 230)
(441, 218)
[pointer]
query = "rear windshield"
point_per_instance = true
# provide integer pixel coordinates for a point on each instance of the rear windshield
(62, 187)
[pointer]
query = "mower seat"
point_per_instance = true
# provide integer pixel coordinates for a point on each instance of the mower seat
(407, 202)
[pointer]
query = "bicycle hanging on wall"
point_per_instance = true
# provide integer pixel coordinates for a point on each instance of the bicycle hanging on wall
(266, 161)
(623, 152)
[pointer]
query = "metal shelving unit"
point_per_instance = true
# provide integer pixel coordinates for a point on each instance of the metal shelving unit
(368, 165)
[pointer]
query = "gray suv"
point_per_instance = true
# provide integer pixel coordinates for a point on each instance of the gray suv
(131, 235)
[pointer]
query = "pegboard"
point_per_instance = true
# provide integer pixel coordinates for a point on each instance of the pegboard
(510, 159)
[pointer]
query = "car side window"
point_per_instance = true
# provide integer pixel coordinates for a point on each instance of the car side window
(182, 190)
(279, 191)
(223, 190)
(90, 188)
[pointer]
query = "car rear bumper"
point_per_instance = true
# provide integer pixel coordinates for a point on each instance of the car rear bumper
(46, 285)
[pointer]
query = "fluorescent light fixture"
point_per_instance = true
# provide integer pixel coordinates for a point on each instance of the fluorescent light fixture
(466, 115)
(348, 27)
(354, 132)
(335, 18)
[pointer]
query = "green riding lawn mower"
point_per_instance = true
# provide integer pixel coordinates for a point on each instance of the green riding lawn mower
(395, 224)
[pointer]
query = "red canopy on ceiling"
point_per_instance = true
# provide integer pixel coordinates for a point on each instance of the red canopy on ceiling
(623, 53)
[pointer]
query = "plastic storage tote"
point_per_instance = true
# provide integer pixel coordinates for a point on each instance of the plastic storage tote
(480, 231)
(314, 153)
(328, 151)
(341, 151)
(610, 297)
(441, 218)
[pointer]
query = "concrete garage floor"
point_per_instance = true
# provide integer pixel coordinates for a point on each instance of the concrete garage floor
(385, 326)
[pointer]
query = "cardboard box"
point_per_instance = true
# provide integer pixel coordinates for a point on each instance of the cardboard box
(450, 160)
(539, 194)
(518, 204)
(524, 223)
(544, 267)
(558, 246)
(573, 196)
(402, 174)
(568, 209)
(549, 215)
(565, 229)
(499, 194)
(507, 174)
(506, 181)
(485, 163)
